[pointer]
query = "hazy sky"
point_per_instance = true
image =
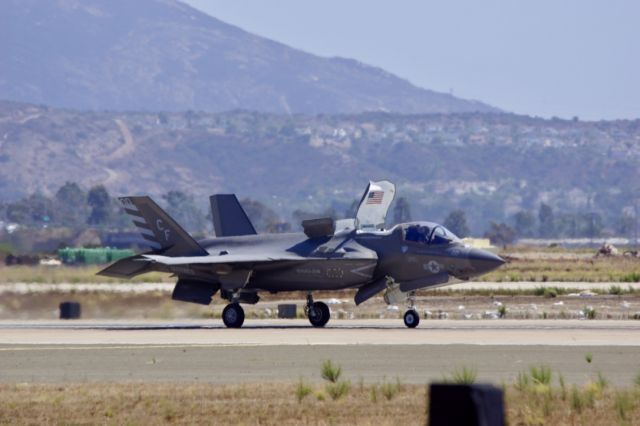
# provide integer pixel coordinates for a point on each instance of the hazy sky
(542, 57)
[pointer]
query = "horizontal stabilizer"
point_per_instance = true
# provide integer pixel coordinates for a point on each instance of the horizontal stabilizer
(127, 268)
(229, 218)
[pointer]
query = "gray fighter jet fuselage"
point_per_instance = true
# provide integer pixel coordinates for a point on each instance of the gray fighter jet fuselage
(329, 255)
(354, 258)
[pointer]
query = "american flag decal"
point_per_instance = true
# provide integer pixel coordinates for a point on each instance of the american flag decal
(375, 197)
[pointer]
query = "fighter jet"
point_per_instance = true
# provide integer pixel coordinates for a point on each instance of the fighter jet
(356, 253)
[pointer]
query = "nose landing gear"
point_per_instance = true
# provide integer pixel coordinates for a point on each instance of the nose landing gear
(411, 318)
(394, 296)
(318, 312)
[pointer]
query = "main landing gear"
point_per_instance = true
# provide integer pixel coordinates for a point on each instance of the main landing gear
(318, 312)
(233, 315)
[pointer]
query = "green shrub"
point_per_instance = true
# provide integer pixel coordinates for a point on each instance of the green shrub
(636, 380)
(462, 376)
(591, 390)
(615, 289)
(588, 357)
(602, 381)
(374, 393)
(502, 311)
(563, 388)
(632, 277)
(548, 292)
(331, 372)
(539, 291)
(541, 375)
(523, 381)
(589, 312)
(623, 403)
(577, 401)
(337, 390)
(389, 390)
(302, 390)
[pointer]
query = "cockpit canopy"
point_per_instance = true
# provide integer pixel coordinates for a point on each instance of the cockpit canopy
(428, 233)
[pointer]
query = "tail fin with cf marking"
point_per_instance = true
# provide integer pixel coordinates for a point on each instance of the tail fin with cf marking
(159, 230)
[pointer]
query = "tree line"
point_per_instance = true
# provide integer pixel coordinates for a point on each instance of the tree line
(75, 207)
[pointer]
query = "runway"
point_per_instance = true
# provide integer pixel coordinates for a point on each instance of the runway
(285, 350)
(338, 332)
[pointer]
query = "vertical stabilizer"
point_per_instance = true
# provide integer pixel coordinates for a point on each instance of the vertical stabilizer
(159, 230)
(229, 218)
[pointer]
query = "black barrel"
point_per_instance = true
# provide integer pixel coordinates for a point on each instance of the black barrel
(70, 310)
(287, 310)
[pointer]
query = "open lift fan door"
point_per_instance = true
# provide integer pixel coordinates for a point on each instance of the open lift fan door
(374, 205)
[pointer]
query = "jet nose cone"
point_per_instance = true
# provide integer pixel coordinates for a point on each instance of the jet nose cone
(484, 261)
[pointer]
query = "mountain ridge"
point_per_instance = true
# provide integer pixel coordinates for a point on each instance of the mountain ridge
(153, 55)
(491, 165)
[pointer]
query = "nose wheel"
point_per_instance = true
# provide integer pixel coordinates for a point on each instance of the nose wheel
(411, 318)
(233, 315)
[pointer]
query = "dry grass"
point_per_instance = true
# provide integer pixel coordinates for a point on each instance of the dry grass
(70, 274)
(198, 404)
(95, 305)
(611, 269)
(277, 403)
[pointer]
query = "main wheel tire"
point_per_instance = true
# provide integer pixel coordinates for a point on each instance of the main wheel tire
(233, 315)
(411, 318)
(319, 314)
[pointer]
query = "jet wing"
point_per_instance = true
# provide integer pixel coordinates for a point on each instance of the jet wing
(224, 259)
(374, 205)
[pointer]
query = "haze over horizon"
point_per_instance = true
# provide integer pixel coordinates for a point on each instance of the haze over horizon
(538, 58)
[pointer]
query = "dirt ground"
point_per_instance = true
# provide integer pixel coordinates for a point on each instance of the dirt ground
(386, 403)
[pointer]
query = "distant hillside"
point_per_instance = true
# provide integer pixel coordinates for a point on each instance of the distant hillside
(491, 165)
(154, 55)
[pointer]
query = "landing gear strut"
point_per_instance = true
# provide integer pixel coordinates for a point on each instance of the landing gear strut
(233, 315)
(318, 312)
